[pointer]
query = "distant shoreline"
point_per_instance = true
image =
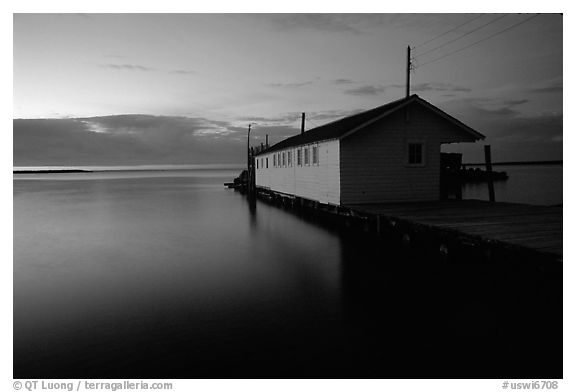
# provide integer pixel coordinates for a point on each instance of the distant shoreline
(50, 171)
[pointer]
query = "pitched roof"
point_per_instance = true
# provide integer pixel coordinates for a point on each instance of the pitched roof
(348, 125)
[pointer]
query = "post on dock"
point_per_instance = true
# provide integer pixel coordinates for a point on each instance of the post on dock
(251, 185)
(490, 178)
(248, 149)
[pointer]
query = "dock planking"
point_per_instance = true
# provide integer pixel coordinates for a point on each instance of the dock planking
(535, 228)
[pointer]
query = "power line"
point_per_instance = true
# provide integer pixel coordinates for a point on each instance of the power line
(462, 36)
(447, 32)
(482, 40)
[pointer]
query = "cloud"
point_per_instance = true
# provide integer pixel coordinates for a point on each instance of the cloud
(136, 67)
(126, 140)
(514, 136)
(285, 118)
(502, 123)
(332, 23)
(136, 139)
(343, 81)
(182, 72)
(127, 67)
(541, 128)
(291, 85)
(437, 87)
(367, 90)
(554, 87)
(363, 23)
(515, 102)
(295, 117)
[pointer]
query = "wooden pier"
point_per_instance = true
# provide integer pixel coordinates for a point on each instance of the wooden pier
(536, 229)
(475, 229)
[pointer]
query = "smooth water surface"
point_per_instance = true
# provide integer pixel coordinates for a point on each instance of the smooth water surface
(169, 274)
(527, 184)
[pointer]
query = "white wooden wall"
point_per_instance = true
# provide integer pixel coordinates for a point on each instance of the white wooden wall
(319, 182)
(374, 165)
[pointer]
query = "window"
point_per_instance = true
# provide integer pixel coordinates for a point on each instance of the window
(266, 162)
(283, 159)
(299, 157)
(315, 155)
(257, 163)
(289, 158)
(416, 154)
(274, 160)
(306, 156)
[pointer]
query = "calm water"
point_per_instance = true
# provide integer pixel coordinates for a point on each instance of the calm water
(169, 274)
(529, 184)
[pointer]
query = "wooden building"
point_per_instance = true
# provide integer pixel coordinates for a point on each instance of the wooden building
(387, 154)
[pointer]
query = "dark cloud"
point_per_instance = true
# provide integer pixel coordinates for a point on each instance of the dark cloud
(543, 129)
(343, 81)
(514, 136)
(554, 87)
(136, 139)
(366, 90)
(515, 102)
(437, 87)
(126, 140)
(127, 67)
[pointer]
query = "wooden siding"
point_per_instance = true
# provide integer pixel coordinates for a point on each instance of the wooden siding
(374, 164)
(316, 182)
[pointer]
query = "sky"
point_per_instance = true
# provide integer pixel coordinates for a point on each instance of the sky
(139, 89)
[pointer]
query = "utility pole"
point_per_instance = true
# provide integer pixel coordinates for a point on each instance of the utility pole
(408, 68)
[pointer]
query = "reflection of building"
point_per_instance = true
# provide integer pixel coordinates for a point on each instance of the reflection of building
(390, 153)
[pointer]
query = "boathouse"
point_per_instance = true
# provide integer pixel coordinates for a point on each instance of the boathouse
(387, 154)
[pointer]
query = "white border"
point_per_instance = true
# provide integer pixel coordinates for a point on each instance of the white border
(231, 6)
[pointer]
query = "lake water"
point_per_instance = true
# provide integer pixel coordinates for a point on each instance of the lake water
(169, 274)
(528, 184)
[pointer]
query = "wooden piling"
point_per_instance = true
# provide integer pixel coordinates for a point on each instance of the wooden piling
(488, 157)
